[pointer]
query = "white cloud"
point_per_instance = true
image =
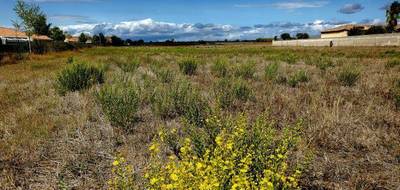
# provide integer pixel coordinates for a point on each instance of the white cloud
(351, 8)
(149, 29)
(287, 5)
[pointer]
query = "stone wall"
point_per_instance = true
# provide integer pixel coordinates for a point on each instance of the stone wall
(366, 40)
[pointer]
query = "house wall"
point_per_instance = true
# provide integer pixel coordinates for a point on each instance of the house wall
(335, 34)
(366, 40)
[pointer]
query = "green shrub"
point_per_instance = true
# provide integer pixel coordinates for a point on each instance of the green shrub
(128, 66)
(271, 71)
(246, 70)
(323, 63)
(228, 91)
(348, 76)
(396, 94)
(242, 90)
(188, 67)
(165, 75)
(120, 103)
(70, 60)
(392, 63)
(220, 68)
(229, 153)
(299, 77)
(77, 77)
(179, 99)
(223, 92)
(289, 58)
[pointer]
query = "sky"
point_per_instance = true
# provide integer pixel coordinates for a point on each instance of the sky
(183, 20)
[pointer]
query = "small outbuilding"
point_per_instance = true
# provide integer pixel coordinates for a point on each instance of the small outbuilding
(12, 36)
(342, 31)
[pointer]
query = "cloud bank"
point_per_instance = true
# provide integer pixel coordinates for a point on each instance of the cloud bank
(286, 5)
(351, 8)
(151, 30)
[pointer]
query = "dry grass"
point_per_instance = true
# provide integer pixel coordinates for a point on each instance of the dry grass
(48, 141)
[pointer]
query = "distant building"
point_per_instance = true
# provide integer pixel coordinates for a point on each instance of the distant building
(12, 36)
(342, 31)
(71, 39)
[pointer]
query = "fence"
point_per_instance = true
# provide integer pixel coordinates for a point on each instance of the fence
(366, 40)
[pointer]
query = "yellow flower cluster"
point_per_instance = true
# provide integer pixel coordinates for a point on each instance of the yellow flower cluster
(242, 156)
(122, 175)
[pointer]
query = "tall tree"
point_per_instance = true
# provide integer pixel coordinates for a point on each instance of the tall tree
(103, 40)
(96, 40)
(83, 38)
(302, 36)
(34, 21)
(392, 14)
(286, 36)
(57, 34)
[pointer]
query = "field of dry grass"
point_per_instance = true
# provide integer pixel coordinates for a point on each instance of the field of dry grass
(347, 98)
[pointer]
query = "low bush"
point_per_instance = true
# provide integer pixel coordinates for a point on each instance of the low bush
(230, 154)
(348, 76)
(220, 68)
(188, 66)
(299, 77)
(271, 71)
(165, 75)
(246, 70)
(396, 94)
(392, 63)
(289, 58)
(229, 91)
(323, 63)
(77, 77)
(70, 60)
(120, 103)
(242, 90)
(128, 66)
(179, 99)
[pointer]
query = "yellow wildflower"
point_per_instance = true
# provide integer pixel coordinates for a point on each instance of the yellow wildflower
(174, 177)
(115, 163)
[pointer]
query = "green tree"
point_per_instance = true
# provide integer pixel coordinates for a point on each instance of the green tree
(57, 34)
(376, 30)
(33, 19)
(41, 27)
(82, 38)
(356, 32)
(302, 36)
(102, 39)
(116, 41)
(96, 40)
(392, 14)
(286, 36)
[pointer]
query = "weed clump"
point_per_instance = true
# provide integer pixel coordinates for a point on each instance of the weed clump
(246, 70)
(120, 103)
(188, 67)
(220, 68)
(77, 77)
(392, 63)
(165, 75)
(128, 66)
(271, 71)
(231, 154)
(179, 99)
(299, 77)
(70, 60)
(396, 94)
(289, 58)
(348, 76)
(229, 91)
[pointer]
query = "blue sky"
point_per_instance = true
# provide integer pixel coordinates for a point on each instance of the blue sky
(202, 19)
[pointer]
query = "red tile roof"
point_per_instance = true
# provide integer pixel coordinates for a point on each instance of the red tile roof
(10, 32)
